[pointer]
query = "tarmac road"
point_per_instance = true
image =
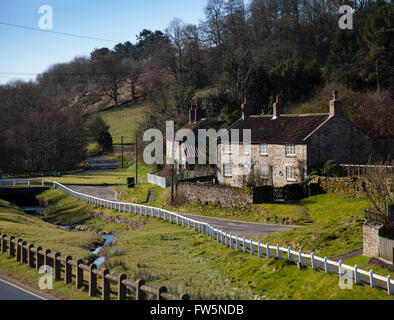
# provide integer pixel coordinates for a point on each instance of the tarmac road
(13, 290)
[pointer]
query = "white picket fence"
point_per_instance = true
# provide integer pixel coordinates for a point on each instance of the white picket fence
(227, 239)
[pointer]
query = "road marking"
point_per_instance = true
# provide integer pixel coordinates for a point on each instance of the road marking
(22, 289)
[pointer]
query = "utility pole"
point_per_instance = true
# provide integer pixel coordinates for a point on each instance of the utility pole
(122, 153)
(172, 172)
(377, 74)
(136, 159)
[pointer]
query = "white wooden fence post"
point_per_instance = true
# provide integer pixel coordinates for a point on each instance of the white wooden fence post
(326, 266)
(237, 242)
(42, 182)
(252, 247)
(225, 240)
(231, 241)
(389, 285)
(301, 258)
(219, 236)
(278, 252)
(372, 279)
(290, 256)
(268, 251)
(340, 269)
(259, 248)
(244, 245)
(313, 262)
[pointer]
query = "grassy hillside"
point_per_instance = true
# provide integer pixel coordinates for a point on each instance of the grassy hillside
(185, 261)
(125, 120)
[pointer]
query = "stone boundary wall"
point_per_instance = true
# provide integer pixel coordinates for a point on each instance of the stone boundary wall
(351, 186)
(223, 195)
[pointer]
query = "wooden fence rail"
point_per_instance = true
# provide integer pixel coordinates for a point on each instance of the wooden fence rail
(227, 239)
(362, 170)
(36, 257)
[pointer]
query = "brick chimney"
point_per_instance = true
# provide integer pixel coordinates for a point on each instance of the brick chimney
(335, 105)
(198, 114)
(246, 109)
(192, 114)
(278, 109)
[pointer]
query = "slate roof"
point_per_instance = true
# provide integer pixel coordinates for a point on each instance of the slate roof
(194, 126)
(286, 129)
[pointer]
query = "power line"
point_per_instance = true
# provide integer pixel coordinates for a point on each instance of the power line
(59, 33)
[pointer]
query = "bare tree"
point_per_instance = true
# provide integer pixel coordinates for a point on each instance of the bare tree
(176, 34)
(107, 73)
(379, 185)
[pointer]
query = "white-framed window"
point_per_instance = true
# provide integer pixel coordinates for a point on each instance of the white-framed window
(246, 168)
(227, 148)
(247, 149)
(291, 174)
(265, 171)
(264, 149)
(290, 150)
(227, 170)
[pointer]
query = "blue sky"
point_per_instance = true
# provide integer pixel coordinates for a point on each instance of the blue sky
(27, 51)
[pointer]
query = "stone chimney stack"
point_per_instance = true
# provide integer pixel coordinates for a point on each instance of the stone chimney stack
(246, 109)
(192, 115)
(278, 109)
(335, 105)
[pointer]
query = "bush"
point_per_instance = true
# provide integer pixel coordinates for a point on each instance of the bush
(94, 149)
(331, 169)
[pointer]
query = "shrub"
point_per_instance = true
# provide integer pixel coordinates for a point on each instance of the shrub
(331, 169)
(94, 149)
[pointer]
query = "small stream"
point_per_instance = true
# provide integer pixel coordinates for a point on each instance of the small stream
(31, 206)
(109, 240)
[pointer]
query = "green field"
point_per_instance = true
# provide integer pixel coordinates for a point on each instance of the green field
(181, 259)
(108, 178)
(124, 121)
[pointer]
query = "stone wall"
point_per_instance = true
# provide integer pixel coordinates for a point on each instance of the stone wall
(223, 195)
(351, 186)
(371, 240)
(341, 141)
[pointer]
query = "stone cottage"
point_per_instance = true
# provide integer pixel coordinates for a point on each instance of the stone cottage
(284, 146)
(185, 151)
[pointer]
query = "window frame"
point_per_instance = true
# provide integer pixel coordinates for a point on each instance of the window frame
(266, 169)
(247, 149)
(293, 171)
(266, 149)
(227, 148)
(225, 174)
(291, 147)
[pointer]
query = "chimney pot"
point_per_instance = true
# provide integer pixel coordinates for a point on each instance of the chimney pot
(192, 114)
(278, 110)
(198, 114)
(246, 109)
(335, 105)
